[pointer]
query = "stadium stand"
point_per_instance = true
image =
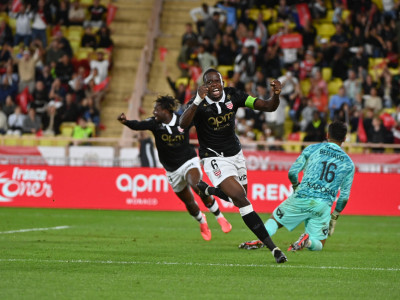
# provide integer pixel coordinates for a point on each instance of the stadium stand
(147, 49)
(130, 29)
(175, 15)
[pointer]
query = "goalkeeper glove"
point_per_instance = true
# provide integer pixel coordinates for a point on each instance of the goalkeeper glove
(294, 186)
(332, 223)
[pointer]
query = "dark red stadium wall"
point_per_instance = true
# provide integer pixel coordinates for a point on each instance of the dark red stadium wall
(148, 189)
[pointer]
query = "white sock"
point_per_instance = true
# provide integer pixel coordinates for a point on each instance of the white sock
(200, 218)
(215, 210)
(246, 210)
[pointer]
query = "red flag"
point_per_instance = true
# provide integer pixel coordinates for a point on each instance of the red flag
(304, 13)
(294, 136)
(362, 135)
(16, 4)
(388, 121)
(23, 99)
(102, 85)
(291, 40)
(163, 53)
(55, 30)
(111, 11)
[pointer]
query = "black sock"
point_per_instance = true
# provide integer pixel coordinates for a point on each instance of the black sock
(217, 192)
(254, 222)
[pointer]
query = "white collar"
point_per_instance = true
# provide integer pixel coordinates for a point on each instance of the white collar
(209, 101)
(172, 122)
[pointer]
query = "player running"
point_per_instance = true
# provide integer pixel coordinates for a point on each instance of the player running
(213, 113)
(327, 169)
(179, 159)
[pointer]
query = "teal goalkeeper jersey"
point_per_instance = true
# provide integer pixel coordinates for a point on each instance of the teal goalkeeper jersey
(327, 168)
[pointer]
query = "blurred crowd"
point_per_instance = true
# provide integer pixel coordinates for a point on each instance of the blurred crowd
(337, 59)
(54, 61)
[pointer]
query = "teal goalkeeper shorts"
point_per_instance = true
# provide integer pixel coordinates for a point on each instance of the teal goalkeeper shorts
(314, 213)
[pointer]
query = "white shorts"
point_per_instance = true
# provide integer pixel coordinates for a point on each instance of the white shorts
(177, 178)
(220, 168)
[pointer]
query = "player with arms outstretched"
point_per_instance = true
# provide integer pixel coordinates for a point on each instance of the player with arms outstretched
(327, 169)
(179, 159)
(213, 113)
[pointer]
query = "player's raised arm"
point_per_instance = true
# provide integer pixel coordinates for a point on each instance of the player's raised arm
(188, 115)
(134, 124)
(273, 102)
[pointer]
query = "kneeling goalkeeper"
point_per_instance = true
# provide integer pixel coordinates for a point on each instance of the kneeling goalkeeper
(327, 169)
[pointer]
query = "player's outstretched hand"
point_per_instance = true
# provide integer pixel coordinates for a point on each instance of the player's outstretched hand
(122, 118)
(276, 86)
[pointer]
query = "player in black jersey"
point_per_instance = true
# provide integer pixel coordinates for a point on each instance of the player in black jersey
(179, 159)
(212, 112)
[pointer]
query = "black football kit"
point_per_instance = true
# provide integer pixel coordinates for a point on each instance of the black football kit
(172, 141)
(215, 124)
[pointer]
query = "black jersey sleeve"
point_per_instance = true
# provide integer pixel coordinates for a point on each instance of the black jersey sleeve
(148, 124)
(239, 97)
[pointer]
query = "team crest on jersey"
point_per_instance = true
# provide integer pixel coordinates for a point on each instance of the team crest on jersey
(217, 172)
(180, 129)
(216, 169)
(229, 104)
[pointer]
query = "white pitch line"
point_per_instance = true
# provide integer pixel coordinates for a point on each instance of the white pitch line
(80, 261)
(35, 229)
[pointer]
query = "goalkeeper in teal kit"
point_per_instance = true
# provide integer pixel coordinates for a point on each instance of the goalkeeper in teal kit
(327, 169)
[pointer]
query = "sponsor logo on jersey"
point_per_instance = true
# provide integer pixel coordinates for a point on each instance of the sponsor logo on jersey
(243, 177)
(229, 104)
(170, 139)
(320, 188)
(220, 120)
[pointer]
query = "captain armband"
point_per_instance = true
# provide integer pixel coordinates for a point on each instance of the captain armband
(250, 102)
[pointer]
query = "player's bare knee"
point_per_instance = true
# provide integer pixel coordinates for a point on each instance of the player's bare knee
(240, 201)
(193, 177)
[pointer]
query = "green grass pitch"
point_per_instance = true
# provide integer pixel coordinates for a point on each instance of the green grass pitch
(161, 255)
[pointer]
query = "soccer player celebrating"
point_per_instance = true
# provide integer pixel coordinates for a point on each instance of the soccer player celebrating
(327, 168)
(179, 159)
(213, 113)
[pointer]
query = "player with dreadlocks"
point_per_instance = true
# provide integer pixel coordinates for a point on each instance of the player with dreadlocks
(179, 159)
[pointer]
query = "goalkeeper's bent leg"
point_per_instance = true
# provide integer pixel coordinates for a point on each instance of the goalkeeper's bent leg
(271, 226)
(316, 245)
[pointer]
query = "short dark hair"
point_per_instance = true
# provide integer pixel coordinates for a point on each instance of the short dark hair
(337, 131)
(167, 102)
(210, 70)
